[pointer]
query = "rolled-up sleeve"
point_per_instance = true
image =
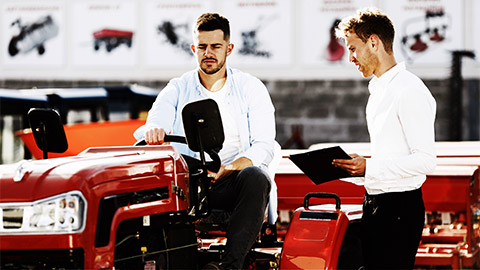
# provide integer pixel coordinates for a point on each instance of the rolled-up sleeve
(163, 111)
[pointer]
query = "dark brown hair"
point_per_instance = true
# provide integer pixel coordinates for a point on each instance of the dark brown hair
(367, 22)
(213, 21)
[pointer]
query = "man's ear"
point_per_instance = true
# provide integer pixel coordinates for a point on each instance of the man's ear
(229, 48)
(192, 47)
(374, 41)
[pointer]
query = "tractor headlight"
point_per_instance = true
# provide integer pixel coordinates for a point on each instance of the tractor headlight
(64, 213)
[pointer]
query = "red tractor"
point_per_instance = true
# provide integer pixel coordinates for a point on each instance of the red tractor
(112, 207)
(131, 207)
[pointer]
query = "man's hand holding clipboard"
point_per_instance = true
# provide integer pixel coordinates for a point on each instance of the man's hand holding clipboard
(354, 166)
(328, 164)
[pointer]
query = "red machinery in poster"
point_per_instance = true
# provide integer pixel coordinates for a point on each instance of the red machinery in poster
(112, 38)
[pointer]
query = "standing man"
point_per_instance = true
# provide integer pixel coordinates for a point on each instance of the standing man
(400, 116)
(242, 184)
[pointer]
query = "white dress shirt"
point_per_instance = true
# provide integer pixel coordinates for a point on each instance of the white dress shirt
(400, 116)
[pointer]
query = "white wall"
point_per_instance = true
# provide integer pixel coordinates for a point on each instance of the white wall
(293, 33)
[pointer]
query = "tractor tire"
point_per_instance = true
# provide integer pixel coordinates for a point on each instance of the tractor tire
(96, 45)
(41, 49)
(12, 46)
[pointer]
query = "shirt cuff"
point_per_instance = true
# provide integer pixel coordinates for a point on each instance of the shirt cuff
(359, 181)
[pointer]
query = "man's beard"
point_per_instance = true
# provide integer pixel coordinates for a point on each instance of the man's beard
(213, 70)
(371, 61)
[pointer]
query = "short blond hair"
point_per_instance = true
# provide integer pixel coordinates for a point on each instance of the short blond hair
(367, 22)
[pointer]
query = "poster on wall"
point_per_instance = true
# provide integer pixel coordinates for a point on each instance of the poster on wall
(168, 32)
(261, 32)
(319, 45)
(426, 30)
(104, 33)
(33, 34)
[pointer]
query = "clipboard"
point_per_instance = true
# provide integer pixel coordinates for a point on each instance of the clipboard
(317, 164)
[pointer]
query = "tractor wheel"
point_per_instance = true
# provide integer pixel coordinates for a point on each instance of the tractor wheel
(111, 43)
(12, 46)
(41, 49)
(96, 45)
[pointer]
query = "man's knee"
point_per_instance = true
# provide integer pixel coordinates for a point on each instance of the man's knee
(255, 177)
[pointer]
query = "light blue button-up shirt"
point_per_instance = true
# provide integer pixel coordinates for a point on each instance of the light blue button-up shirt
(248, 100)
(250, 105)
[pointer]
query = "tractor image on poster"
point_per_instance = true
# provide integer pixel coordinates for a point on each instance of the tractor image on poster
(111, 39)
(32, 36)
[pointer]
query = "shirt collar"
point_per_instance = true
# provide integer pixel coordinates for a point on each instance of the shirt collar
(198, 84)
(376, 84)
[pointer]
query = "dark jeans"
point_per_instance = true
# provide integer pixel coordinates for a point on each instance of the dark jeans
(392, 225)
(245, 194)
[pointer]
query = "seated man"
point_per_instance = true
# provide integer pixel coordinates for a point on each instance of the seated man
(242, 184)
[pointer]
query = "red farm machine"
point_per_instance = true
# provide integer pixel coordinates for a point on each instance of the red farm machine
(451, 194)
(131, 207)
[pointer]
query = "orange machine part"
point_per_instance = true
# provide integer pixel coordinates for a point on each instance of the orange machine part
(83, 136)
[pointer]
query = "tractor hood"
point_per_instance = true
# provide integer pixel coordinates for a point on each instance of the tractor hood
(31, 180)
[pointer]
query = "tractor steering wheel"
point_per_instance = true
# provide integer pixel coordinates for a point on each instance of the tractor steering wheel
(193, 163)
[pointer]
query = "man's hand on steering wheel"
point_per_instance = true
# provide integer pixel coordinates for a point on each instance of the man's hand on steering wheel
(155, 136)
